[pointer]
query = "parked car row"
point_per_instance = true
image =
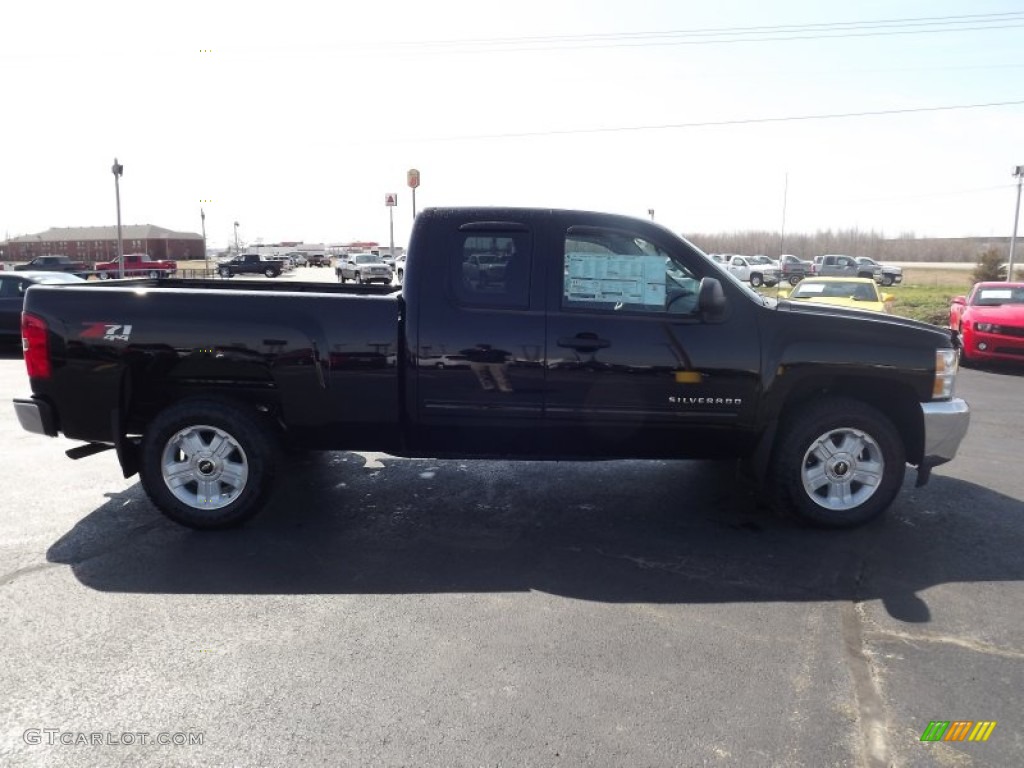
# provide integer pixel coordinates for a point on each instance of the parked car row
(762, 270)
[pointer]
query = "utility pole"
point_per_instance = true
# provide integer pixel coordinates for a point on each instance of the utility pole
(206, 257)
(236, 238)
(1019, 173)
(785, 199)
(118, 171)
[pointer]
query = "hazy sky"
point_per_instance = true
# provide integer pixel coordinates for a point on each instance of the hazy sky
(296, 118)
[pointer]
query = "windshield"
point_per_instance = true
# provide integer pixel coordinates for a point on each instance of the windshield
(996, 296)
(368, 258)
(822, 290)
(760, 260)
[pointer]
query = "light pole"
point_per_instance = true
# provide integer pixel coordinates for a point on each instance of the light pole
(206, 257)
(236, 238)
(1019, 173)
(118, 171)
(785, 199)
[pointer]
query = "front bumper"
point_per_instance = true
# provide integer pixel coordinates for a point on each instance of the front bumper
(985, 345)
(36, 416)
(945, 424)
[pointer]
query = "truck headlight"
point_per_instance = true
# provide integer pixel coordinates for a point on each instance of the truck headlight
(945, 374)
(984, 327)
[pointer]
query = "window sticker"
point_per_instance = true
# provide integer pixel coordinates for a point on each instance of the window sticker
(614, 278)
(997, 293)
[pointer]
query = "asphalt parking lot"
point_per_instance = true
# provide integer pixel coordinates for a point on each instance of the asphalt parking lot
(396, 612)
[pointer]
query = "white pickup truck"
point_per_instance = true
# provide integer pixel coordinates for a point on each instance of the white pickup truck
(756, 270)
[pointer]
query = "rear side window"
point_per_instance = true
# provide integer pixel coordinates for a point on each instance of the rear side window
(492, 269)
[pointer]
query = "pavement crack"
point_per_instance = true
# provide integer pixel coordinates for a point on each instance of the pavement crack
(10, 578)
(971, 645)
(764, 587)
(870, 705)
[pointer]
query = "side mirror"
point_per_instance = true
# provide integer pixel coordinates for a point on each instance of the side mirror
(960, 300)
(711, 298)
(887, 297)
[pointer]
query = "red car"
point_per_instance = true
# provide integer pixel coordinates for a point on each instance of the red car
(137, 265)
(990, 321)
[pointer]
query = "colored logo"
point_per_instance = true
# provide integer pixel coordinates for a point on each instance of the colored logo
(958, 730)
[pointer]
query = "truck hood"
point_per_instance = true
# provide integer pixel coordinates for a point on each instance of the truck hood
(823, 310)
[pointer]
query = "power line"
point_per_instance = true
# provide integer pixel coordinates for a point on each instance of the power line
(741, 34)
(719, 123)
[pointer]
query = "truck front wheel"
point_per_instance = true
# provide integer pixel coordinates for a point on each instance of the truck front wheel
(208, 464)
(756, 281)
(794, 279)
(839, 464)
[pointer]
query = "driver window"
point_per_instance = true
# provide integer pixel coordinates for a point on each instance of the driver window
(619, 272)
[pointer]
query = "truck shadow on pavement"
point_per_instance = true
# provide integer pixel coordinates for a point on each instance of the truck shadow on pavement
(627, 531)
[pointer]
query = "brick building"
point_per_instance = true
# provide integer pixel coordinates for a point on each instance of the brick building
(92, 244)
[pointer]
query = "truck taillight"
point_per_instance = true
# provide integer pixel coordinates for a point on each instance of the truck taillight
(35, 343)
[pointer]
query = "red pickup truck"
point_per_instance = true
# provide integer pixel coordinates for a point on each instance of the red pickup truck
(137, 265)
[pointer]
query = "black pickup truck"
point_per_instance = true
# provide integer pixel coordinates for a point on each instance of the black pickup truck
(249, 264)
(604, 337)
(55, 264)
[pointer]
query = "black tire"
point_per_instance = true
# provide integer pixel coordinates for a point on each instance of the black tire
(257, 450)
(871, 455)
(886, 280)
(154, 274)
(104, 275)
(359, 279)
(401, 276)
(269, 272)
(341, 277)
(756, 280)
(225, 272)
(794, 279)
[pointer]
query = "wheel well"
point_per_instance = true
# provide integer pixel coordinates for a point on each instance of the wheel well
(896, 401)
(144, 408)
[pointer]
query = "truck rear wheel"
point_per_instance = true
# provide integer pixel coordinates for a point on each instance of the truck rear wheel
(839, 464)
(208, 464)
(794, 279)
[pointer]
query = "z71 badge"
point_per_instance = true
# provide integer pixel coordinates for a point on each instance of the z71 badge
(106, 331)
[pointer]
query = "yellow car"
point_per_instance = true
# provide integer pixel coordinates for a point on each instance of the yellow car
(854, 292)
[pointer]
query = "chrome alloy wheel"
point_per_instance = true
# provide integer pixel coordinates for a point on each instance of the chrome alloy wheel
(842, 469)
(204, 467)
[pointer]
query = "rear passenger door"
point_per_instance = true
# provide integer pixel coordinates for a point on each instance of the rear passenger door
(477, 366)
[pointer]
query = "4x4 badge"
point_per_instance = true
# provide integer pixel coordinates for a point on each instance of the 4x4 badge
(106, 331)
